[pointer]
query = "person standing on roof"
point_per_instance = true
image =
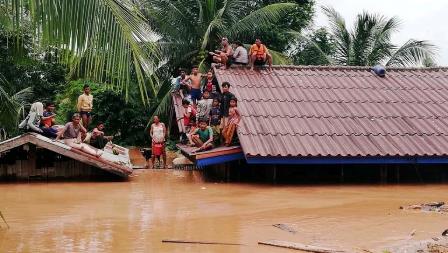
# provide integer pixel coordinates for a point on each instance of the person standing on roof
(210, 84)
(195, 77)
(234, 119)
(181, 84)
(259, 55)
(85, 106)
(226, 95)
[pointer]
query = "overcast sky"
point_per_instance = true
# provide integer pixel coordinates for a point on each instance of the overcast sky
(420, 19)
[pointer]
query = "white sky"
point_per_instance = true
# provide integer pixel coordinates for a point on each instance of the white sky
(420, 19)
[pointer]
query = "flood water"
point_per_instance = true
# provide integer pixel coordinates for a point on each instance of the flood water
(135, 216)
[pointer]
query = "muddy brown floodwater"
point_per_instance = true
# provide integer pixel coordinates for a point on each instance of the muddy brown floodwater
(135, 216)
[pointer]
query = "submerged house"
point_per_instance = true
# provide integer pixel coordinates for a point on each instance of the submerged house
(32, 155)
(337, 115)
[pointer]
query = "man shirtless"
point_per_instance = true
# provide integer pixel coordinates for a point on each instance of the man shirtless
(222, 56)
(195, 79)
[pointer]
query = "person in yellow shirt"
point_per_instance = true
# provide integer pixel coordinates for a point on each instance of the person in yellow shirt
(85, 106)
(259, 55)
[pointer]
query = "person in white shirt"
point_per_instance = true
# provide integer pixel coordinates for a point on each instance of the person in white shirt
(240, 54)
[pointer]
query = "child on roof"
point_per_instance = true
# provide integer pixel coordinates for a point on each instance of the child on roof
(215, 120)
(210, 84)
(204, 105)
(233, 121)
(202, 137)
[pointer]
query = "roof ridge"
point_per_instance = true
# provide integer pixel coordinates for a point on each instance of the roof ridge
(342, 67)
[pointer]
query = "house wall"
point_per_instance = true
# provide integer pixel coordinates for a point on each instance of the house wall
(29, 162)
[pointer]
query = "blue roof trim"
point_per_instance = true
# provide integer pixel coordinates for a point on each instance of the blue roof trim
(347, 160)
(219, 159)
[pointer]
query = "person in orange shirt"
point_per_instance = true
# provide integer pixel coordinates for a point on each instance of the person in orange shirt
(259, 55)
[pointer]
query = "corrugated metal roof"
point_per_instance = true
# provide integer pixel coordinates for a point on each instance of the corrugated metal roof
(341, 111)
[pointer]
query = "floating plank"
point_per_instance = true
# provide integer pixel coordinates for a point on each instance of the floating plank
(298, 246)
(200, 242)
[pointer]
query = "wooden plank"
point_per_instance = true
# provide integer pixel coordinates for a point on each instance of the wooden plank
(219, 153)
(200, 242)
(298, 246)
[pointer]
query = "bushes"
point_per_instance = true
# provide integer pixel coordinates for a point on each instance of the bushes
(125, 121)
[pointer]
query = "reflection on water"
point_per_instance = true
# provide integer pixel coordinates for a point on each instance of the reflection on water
(135, 216)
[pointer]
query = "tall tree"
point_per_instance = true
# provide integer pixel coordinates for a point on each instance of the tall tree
(369, 42)
(278, 35)
(190, 27)
(317, 48)
(108, 41)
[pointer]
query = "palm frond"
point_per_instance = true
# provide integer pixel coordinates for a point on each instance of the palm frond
(382, 47)
(258, 19)
(412, 53)
(343, 38)
(97, 39)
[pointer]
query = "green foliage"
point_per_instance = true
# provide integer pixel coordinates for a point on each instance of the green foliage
(369, 42)
(189, 28)
(108, 41)
(277, 35)
(126, 121)
(314, 49)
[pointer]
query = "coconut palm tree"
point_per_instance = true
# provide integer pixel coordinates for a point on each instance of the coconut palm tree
(108, 41)
(369, 42)
(190, 27)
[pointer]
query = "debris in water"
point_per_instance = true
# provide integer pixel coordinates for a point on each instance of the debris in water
(4, 220)
(445, 233)
(298, 246)
(428, 207)
(199, 242)
(285, 227)
(203, 188)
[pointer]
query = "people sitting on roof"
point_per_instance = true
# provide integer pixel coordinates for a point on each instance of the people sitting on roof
(215, 120)
(259, 55)
(223, 55)
(239, 56)
(71, 134)
(204, 105)
(48, 123)
(202, 137)
(195, 86)
(158, 136)
(85, 106)
(232, 123)
(32, 120)
(225, 97)
(210, 84)
(98, 139)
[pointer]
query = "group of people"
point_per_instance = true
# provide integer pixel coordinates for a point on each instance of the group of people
(74, 133)
(211, 114)
(236, 54)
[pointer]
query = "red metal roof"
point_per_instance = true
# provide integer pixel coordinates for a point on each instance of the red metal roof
(341, 111)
